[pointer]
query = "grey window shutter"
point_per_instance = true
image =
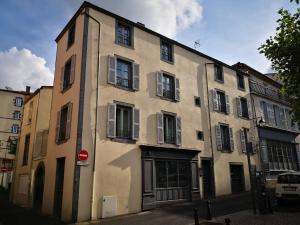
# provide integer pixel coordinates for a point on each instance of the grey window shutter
(136, 77)
(159, 84)
(57, 127)
(243, 141)
(250, 115)
(111, 75)
(160, 128)
(218, 138)
(177, 90)
(227, 104)
(231, 139)
(264, 154)
(239, 107)
(111, 120)
(62, 76)
(277, 116)
(282, 118)
(178, 130)
(271, 115)
(69, 120)
(214, 99)
(72, 74)
(194, 176)
(136, 123)
(288, 119)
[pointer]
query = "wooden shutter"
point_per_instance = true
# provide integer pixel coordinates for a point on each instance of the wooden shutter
(218, 138)
(243, 141)
(238, 107)
(111, 120)
(62, 76)
(250, 115)
(231, 139)
(264, 154)
(177, 90)
(160, 128)
(111, 75)
(194, 176)
(15, 101)
(57, 127)
(271, 115)
(227, 104)
(136, 123)
(72, 74)
(178, 130)
(69, 120)
(159, 84)
(136, 77)
(214, 99)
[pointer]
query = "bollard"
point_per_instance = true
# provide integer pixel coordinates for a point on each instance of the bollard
(227, 221)
(208, 211)
(270, 205)
(196, 216)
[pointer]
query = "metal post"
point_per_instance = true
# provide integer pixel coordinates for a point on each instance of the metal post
(208, 210)
(196, 216)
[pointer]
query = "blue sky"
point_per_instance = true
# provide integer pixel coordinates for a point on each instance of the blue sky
(228, 30)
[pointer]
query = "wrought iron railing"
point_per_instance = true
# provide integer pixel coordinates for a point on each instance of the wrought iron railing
(258, 88)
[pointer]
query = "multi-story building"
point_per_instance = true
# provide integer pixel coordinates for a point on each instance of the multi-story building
(273, 124)
(28, 185)
(161, 122)
(10, 119)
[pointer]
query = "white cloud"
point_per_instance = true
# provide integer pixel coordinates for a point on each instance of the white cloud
(20, 68)
(167, 17)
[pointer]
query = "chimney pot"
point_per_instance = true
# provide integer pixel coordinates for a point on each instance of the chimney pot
(27, 89)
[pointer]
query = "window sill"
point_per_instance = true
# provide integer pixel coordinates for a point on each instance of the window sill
(123, 140)
(168, 99)
(244, 118)
(124, 88)
(167, 61)
(66, 89)
(219, 81)
(241, 89)
(221, 112)
(70, 46)
(126, 46)
(226, 151)
(61, 141)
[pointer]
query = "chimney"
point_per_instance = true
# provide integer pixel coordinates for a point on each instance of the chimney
(28, 89)
(141, 24)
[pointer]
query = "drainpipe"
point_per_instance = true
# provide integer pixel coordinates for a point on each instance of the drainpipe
(96, 111)
(210, 129)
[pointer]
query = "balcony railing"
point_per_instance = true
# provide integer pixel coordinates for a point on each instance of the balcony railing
(268, 92)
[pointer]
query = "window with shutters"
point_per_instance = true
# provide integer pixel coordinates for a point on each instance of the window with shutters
(15, 129)
(124, 34)
(263, 107)
(221, 99)
(225, 137)
(123, 122)
(18, 101)
(166, 51)
(244, 108)
(67, 74)
(169, 129)
(240, 81)
(168, 87)
(26, 150)
(71, 36)
(218, 73)
(124, 74)
(64, 123)
(17, 115)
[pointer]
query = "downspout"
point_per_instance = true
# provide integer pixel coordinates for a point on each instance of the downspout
(96, 111)
(210, 129)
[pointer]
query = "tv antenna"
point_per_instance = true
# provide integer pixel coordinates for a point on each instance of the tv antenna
(197, 44)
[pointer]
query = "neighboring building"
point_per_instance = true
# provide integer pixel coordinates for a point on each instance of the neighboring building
(273, 124)
(28, 186)
(138, 103)
(10, 118)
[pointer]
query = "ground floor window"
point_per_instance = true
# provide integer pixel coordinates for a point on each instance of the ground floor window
(282, 155)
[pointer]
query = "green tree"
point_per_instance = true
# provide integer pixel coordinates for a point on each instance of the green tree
(283, 50)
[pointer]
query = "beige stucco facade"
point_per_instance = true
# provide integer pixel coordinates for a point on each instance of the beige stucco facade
(115, 169)
(7, 134)
(35, 124)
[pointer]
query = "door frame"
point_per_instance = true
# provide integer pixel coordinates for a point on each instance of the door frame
(212, 177)
(41, 166)
(242, 173)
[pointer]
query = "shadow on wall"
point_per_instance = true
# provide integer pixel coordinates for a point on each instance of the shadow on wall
(130, 160)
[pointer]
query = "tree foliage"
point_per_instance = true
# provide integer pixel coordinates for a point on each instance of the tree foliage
(283, 50)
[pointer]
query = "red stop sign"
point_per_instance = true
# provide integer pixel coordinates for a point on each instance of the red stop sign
(83, 155)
